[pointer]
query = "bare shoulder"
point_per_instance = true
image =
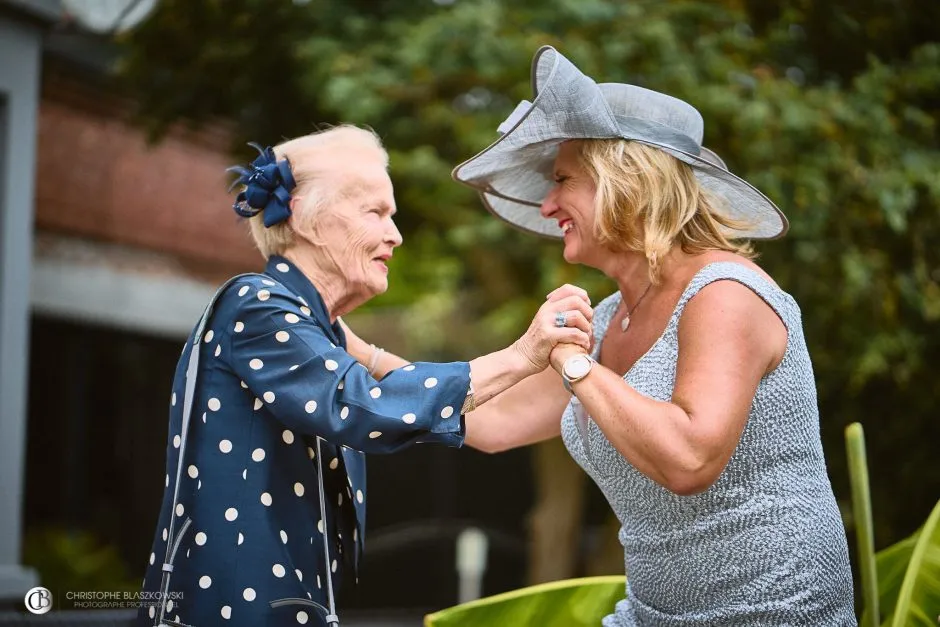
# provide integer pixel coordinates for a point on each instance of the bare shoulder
(730, 312)
(716, 256)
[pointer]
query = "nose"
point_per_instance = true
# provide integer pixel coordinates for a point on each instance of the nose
(393, 236)
(549, 206)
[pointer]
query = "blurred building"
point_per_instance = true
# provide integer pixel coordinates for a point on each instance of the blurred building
(21, 34)
(110, 249)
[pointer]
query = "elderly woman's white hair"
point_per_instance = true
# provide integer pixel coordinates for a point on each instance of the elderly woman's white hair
(313, 159)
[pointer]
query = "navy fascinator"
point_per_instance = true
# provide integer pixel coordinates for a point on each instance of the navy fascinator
(268, 183)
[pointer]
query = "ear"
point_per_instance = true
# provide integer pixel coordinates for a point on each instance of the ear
(296, 204)
(296, 211)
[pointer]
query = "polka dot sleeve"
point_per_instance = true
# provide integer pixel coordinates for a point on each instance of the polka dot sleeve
(296, 373)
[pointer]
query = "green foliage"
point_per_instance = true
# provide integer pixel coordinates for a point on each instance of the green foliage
(75, 561)
(864, 532)
(908, 591)
(915, 598)
(570, 603)
(840, 127)
(903, 579)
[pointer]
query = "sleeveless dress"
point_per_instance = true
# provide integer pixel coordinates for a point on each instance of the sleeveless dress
(765, 544)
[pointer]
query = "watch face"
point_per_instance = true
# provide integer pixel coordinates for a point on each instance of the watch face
(577, 366)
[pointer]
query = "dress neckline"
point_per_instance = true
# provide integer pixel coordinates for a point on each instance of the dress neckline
(618, 298)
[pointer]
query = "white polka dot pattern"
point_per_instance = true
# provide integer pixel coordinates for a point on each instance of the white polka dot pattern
(271, 359)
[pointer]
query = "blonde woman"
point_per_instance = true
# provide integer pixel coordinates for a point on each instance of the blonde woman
(695, 412)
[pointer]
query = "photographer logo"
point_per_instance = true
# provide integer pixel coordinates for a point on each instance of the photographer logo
(38, 600)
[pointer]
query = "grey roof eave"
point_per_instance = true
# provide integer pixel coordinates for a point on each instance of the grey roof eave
(46, 11)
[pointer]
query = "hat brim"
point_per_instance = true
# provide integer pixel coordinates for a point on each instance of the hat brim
(514, 174)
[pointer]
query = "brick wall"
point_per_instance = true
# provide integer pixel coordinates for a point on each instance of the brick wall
(98, 178)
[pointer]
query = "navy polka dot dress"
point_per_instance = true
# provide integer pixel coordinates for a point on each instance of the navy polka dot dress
(273, 377)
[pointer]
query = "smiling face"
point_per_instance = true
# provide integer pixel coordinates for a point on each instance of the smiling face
(354, 233)
(571, 204)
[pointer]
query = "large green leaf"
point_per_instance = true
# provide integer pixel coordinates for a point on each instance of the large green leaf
(864, 528)
(892, 564)
(918, 601)
(909, 577)
(568, 603)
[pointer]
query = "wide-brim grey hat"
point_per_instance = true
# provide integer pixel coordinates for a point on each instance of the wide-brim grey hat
(514, 174)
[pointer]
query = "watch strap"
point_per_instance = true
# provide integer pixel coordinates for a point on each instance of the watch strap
(567, 381)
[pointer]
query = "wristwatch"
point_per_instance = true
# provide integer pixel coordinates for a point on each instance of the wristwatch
(576, 368)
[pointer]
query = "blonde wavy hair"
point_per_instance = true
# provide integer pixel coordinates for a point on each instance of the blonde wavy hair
(648, 201)
(313, 160)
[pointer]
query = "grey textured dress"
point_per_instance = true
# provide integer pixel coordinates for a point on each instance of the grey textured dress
(765, 544)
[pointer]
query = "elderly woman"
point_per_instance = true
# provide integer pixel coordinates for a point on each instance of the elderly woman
(695, 412)
(264, 508)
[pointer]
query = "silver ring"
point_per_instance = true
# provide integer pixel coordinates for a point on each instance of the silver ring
(561, 319)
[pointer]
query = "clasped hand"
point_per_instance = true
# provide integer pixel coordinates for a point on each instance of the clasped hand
(547, 341)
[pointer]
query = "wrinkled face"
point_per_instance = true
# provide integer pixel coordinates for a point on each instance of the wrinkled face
(355, 234)
(571, 203)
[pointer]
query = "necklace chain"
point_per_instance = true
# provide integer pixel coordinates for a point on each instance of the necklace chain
(625, 323)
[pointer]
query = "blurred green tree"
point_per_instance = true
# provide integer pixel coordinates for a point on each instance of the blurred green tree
(831, 108)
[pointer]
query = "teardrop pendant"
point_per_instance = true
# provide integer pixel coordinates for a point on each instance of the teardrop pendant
(624, 324)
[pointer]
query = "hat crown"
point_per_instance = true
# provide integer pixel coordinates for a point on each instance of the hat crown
(632, 101)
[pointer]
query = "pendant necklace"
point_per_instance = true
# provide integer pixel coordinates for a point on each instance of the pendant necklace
(625, 323)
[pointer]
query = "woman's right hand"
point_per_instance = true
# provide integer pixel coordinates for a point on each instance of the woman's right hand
(543, 334)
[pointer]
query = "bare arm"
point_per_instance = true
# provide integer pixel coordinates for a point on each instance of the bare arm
(528, 411)
(728, 340)
(385, 362)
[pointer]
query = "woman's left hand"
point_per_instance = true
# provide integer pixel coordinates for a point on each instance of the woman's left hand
(561, 352)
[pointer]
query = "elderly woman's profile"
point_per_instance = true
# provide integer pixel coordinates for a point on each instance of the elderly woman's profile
(263, 515)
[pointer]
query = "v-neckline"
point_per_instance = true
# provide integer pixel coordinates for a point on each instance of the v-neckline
(619, 299)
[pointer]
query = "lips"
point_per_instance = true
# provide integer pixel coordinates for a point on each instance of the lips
(381, 261)
(566, 225)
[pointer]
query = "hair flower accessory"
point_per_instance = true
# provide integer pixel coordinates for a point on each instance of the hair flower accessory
(268, 184)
